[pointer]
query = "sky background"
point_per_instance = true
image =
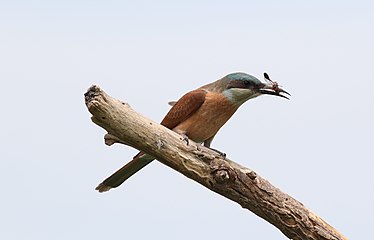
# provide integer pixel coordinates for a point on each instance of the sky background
(317, 147)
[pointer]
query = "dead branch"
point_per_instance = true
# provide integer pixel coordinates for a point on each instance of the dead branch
(205, 166)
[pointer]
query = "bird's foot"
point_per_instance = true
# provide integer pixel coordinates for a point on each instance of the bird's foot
(185, 138)
(221, 154)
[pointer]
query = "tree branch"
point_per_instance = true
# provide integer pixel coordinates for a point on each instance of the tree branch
(205, 166)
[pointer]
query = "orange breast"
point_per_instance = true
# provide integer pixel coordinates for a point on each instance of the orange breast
(208, 119)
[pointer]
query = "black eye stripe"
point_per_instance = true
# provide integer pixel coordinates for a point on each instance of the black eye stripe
(240, 84)
(248, 83)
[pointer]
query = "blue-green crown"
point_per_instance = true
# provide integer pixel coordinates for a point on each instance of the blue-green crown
(243, 77)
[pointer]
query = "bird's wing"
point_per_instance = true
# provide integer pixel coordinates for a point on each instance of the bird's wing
(184, 108)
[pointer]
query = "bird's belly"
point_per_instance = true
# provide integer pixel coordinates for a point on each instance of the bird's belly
(206, 121)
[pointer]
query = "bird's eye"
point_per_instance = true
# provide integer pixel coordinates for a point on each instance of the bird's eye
(240, 84)
(248, 83)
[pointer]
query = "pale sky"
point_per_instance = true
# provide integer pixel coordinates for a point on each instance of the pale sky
(317, 147)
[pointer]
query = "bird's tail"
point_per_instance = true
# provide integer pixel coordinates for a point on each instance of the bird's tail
(138, 162)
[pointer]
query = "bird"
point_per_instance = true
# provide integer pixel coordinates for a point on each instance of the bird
(199, 114)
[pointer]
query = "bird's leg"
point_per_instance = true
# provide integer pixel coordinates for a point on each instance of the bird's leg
(222, 154)
(198, 147)
(185, 138)
(183, 135)
(207, 144)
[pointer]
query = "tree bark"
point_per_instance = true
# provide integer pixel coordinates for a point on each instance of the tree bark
(205, 166)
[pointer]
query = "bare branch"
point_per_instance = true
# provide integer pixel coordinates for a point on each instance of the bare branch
(205, 166)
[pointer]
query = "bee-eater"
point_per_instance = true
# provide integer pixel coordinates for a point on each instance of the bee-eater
(199, 114)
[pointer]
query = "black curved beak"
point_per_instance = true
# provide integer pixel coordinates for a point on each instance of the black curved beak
(272, 88)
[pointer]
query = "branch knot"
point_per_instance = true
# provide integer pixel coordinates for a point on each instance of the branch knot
(221, 176)
(252, 175)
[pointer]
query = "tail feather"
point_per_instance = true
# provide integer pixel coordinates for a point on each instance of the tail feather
(121, 175)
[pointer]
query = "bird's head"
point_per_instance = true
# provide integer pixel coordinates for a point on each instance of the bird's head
(241, 87)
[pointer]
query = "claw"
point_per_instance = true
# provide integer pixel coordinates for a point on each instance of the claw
(185, 138)
(221, 154)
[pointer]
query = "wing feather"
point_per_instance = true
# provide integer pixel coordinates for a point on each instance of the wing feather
(184, 108)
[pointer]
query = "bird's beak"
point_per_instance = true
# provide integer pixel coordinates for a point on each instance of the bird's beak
(272, 88)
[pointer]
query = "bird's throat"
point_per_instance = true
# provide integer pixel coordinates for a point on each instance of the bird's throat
(238, 96)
